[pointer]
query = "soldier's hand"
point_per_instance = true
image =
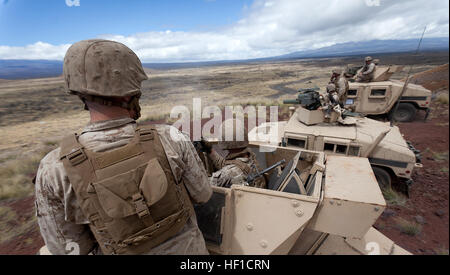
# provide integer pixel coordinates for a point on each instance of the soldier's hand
(206, 146)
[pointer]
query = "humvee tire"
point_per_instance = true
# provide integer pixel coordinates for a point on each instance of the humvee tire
(383, 177)
(405, 112)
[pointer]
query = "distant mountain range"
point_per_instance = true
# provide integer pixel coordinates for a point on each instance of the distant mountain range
(372, 47)
(23, 69)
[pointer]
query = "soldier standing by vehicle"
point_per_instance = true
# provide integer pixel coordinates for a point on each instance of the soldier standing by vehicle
(118, 188)
(239, 162)
(341, 85)
(366, 73)
(330, 100)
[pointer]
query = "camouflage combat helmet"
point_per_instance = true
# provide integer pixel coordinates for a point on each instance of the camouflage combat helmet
(105, 72)
(102, 68)
(234, 134)
(368, 58)
(337, 71)
(331, 87)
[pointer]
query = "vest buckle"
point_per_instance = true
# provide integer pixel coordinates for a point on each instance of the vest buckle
(141, 206)
(76, 157)
(145, 135)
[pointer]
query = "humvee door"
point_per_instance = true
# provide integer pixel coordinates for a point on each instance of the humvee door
(370, 99)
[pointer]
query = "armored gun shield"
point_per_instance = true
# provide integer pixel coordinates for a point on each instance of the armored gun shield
(309, 207)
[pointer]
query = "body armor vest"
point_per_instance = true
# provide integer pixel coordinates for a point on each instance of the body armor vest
(129, 195)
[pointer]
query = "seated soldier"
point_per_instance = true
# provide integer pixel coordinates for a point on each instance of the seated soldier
(367, 72)
(239, 162)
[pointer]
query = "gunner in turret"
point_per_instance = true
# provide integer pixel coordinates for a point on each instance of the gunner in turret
(367, 72)
(330, 100)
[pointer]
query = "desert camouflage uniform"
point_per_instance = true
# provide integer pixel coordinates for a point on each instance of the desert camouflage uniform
(60, 218)
(228, 173)
(366, 73)
(342, 89)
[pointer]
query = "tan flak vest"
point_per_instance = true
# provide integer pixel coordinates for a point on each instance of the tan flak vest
(129, 195)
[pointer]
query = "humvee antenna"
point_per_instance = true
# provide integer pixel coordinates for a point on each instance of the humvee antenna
(407, 80)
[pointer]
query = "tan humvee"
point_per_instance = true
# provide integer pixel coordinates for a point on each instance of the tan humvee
(389, 154)
(309, 207)
(381, 95)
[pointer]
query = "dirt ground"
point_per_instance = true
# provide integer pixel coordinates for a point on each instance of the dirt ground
(20, 233)
(41, 122)
(427, 207)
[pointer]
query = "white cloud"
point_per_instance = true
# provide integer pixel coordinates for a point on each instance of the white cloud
(38, 50)
(272, 28)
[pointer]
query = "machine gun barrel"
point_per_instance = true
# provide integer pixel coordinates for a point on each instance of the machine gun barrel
(292, 101)
(253, 177)
(315, 89)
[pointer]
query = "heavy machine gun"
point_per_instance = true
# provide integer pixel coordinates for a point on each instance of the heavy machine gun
(252, 177)
(308, 98)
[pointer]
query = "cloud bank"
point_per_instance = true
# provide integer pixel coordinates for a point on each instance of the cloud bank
(271, 28)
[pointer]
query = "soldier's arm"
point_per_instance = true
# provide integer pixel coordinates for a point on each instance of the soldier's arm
(228, 176)
(217, 160)
(342, 89)
(195, 176)
(189, 167)
(370, 69)
(61, 235)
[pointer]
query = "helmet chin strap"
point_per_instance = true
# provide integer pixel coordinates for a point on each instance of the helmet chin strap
(133, 104)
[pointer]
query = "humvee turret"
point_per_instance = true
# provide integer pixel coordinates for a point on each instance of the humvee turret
(380, 96)
(309, 207)
(389, 154)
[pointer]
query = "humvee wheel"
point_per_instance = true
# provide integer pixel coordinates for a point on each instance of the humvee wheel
(383, 177)
(405, 112)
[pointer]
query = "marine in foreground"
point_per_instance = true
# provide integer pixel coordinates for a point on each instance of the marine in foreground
(118, 188)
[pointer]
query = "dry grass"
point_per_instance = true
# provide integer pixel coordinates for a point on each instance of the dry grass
(441, 251)
(155, 117)
(165, 117)
(381, 225)
(16, 175)
(10, 227)
(409, 228)
(440, 156)
(442, 98)
(394, 198)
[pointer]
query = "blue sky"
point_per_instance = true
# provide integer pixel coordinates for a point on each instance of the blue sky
(204, 30)
(25, 22)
